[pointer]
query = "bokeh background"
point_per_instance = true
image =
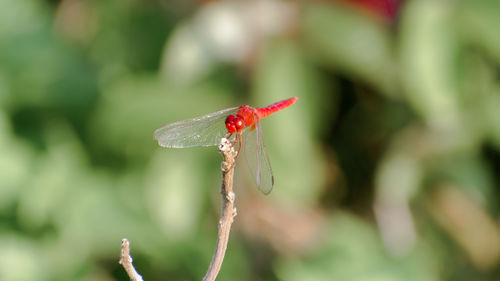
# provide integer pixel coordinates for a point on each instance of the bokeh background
(387, 168)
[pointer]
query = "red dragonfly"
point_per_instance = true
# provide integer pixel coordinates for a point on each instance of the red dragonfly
(207, 130)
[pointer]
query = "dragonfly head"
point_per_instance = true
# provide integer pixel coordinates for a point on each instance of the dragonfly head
(234, 124)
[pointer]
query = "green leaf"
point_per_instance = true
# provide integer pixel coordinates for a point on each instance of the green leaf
(350, 42)
(428, 51)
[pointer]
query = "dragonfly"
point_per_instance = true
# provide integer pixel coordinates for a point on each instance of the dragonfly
(235, 123)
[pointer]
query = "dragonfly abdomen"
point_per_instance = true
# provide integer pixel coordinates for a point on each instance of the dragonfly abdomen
(275, 107)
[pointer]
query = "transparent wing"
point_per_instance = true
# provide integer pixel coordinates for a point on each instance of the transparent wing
(257, 158)
(206, 130)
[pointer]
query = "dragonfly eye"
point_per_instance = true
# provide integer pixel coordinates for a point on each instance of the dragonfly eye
(234, 124)
(238, 122)
(230, 126)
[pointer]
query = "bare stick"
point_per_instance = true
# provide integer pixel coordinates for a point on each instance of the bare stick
(227, 215)
(126, 261)
(228, 210)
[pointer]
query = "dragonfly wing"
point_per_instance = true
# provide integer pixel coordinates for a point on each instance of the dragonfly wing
(257, 158)
(206, 130)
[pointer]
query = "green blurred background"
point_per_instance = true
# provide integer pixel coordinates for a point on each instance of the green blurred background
(387, 168)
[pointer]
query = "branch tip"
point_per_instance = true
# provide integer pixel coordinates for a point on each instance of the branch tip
(126, 261)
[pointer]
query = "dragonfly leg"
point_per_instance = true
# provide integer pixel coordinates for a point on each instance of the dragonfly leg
(238, 142)
(233, 141)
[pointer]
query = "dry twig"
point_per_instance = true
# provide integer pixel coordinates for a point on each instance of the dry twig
(227, 215)
(228, 210)
(126, 261)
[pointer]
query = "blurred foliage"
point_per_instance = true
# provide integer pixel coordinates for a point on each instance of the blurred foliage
(387, 168)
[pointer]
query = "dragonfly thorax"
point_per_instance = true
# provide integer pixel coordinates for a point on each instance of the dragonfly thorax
(234, 124)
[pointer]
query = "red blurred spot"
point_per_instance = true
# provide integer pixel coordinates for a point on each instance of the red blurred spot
(386, 9)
